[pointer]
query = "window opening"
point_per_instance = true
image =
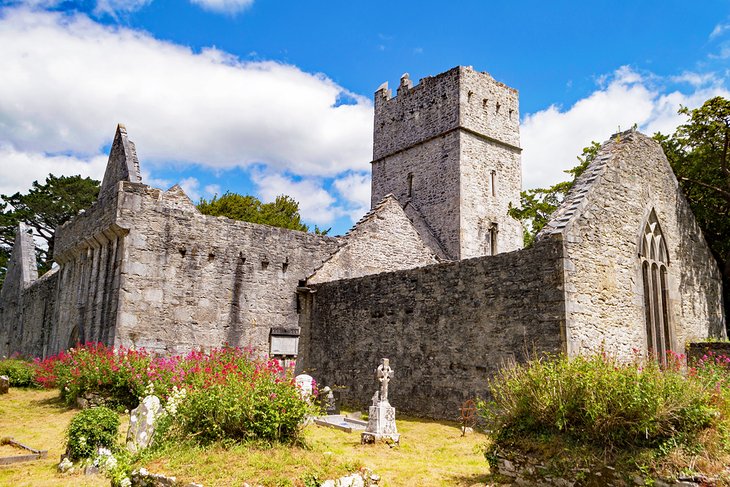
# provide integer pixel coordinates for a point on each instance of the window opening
(493, 230)
(654, 262)
(493, 182)
(410, 184)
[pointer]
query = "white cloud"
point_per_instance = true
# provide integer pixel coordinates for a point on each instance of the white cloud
(552, 138)
(354, 188)
(223, 6)
(695, 79)
(719, 30)
(115, 7)
(101, 7)
(316, 205)
(211, 190)
(67, 81)
(19, 169)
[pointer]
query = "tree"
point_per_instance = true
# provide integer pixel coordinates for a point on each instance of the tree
(44, 207)
(283, 212)
(537, 205)
(698, 151)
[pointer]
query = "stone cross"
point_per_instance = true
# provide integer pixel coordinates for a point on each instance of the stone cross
(385, 373)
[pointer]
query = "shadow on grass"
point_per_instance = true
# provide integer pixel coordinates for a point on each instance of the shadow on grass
(474, 479)
(55, 402)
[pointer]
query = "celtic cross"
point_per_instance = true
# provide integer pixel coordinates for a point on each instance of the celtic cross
(385, 373)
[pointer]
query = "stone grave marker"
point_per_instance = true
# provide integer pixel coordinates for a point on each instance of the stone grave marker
(305, 384)
(4, 384)
(381, 421)
(142, 421)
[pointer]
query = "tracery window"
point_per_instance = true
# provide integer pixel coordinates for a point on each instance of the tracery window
(654, 262)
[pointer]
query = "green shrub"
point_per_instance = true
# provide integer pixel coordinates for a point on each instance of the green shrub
(600, 401)
(91, 429)
(265, 405)
(21, 372)
(118, 376)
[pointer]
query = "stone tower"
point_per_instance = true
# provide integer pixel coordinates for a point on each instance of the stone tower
(449, 150)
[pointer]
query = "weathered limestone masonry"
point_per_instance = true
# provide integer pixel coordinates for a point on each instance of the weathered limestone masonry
(383, 240)
(193, 280)
(445, 328)
(26, 303)
(602, 223)
(448, 150)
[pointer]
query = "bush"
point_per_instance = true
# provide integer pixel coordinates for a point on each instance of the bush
(600, 401)
(264, 404)
(21, 372)
(224, 394)
(118, 376)
(90, 430)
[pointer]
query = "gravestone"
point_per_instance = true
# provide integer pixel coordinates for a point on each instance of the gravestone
(4, 384)
(329, 402)
(142, 421)
(381, 420)
(305, 384)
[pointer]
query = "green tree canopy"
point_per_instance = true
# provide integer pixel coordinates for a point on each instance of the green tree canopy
(44, 207)
(698, 153)
(283, 212)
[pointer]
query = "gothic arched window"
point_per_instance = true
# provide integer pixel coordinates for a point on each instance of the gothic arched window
(654, 262)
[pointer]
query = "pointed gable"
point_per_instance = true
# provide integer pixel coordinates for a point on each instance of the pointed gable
(176, 197)
(383, 240)
(22, 270)
(123, 164)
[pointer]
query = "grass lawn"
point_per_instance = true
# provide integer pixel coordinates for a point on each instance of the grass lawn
(431, 453)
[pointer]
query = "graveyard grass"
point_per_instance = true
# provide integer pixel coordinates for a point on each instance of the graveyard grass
(431, 453)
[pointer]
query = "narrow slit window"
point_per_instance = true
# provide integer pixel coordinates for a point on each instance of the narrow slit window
(410, 184)
(493, 182)
(493, 230)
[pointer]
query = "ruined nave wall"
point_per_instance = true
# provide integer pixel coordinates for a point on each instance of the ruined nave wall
(191, 280)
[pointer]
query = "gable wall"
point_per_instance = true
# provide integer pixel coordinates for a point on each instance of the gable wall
(384, 240)
(604, 287)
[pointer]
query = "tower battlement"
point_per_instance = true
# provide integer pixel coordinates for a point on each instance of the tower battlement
(458, 98)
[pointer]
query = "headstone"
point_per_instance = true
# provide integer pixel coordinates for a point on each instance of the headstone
(4, 384)
(142, 421)
(381, 421)
(305, 384)
(329, 402)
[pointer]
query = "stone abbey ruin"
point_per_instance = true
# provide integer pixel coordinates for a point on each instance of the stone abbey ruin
(433, 276)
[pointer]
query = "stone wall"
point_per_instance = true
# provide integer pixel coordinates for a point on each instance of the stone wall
(445, 328)
(89, 251)
(191, 280)
(486, 197)
(602, 222)
(434, 194)
(383, 240)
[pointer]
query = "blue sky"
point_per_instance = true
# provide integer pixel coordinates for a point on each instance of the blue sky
(271, 96)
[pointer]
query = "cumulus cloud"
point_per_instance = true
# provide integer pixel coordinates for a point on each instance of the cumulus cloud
(68, 80)
(223, 6)
(21, 168)
(552, 138)
(354, 189)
